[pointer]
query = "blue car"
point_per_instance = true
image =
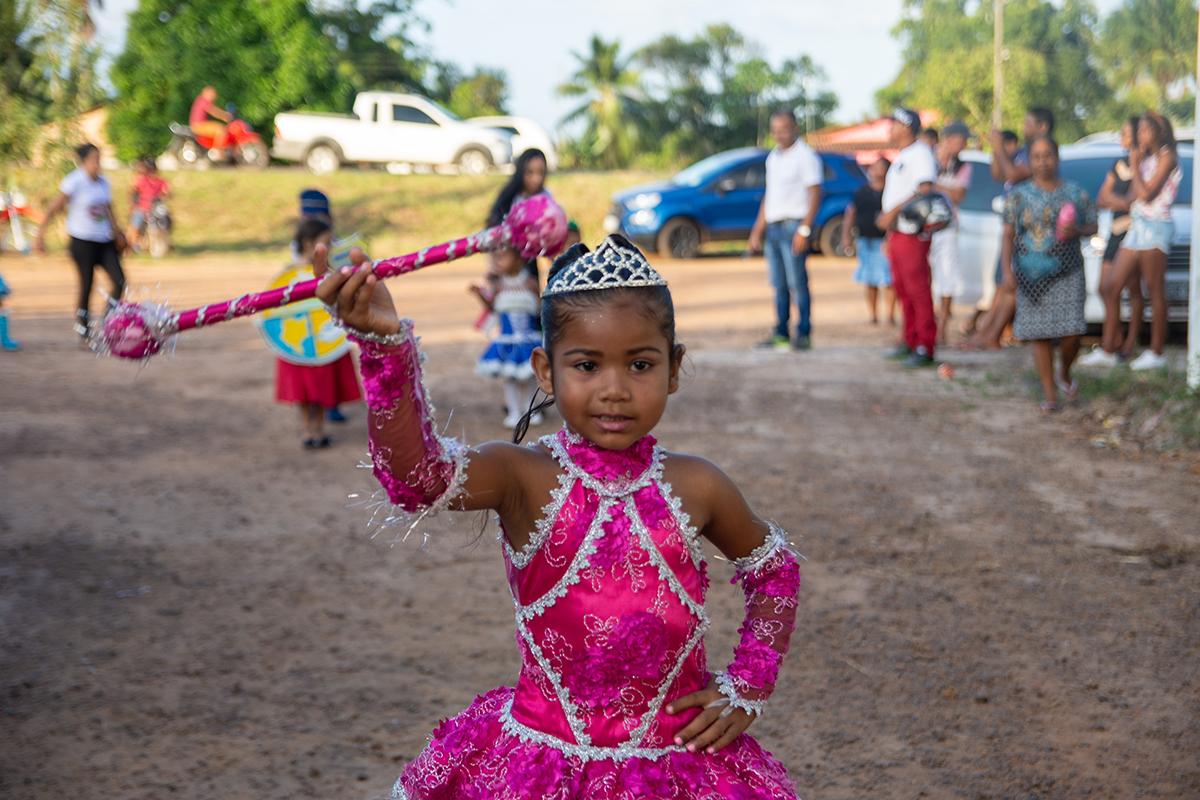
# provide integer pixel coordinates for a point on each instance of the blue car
(717, 199)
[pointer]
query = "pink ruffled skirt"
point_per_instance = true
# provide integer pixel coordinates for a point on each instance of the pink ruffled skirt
(471, 757)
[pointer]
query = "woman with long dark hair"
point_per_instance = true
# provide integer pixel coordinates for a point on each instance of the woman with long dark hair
(1154, 183)
(528, 179)
(1115, 195)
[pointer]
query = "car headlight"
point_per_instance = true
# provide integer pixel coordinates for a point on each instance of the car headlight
(646, 200)
(643, 218)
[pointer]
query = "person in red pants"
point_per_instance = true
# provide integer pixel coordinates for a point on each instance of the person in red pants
(912, 173)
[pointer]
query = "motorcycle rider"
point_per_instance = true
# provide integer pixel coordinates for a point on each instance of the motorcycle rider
(147, 188)
(206, 118)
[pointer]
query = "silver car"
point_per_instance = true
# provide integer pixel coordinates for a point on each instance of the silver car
(1085, 164)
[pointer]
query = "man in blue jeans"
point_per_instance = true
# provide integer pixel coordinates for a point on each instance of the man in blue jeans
(784, 226)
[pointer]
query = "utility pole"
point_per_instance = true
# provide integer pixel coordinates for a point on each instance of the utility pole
(1193, 362)
(997, 63)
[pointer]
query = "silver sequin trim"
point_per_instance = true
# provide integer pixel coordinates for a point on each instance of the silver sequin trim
(514, 727)
(775, 539)
(543, 527)
(691, 536)
(609, 489)
(572, 576)
(725, 687)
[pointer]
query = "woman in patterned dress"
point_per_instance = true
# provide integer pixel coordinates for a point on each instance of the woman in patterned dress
(1044, 219)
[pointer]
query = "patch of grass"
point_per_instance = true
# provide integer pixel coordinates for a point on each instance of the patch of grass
(232, 212)
(1155, 406)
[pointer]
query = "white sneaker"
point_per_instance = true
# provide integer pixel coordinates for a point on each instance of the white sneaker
(1149, 360)
(511, 420)
(1099, 357)
(537, 419)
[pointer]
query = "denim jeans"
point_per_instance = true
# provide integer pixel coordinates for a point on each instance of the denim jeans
(789, 276)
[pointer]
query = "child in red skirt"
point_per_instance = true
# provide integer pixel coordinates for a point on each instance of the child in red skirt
(315, 389)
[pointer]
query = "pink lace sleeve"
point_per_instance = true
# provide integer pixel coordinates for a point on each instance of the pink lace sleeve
(420, 471)
(770, 578)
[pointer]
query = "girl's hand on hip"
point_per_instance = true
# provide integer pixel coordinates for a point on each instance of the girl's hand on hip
(716, 726)
(360, 299)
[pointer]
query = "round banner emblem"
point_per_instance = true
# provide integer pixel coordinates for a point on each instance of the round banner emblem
(302, 333)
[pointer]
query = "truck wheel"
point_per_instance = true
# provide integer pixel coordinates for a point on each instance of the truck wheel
(322, 159)
(473, 161)
(829, 239)
(679, 238)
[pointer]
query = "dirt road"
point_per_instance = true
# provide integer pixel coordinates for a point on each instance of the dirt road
(993, 608)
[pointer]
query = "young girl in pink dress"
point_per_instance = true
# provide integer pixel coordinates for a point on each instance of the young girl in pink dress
(601, 536)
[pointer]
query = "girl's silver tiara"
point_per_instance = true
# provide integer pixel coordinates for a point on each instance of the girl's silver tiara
(612, 265)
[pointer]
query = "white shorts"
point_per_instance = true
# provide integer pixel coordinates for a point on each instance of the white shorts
(944, 261)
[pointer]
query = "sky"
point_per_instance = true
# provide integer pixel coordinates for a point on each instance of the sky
(532, 40)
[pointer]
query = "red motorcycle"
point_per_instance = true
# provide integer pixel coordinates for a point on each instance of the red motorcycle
(242, 146)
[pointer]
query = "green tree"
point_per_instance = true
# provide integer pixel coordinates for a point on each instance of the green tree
(265, 56)
(1148, 49)
(376, 43)
(1050, 61)
(611, 94)
(716, 91)
(47, 74)
(482, 93)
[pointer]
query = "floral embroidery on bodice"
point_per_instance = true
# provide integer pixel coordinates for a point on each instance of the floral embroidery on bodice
(615, 551)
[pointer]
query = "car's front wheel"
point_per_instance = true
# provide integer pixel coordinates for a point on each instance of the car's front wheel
(679, 238)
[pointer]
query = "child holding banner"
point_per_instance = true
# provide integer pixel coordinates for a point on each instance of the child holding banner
(315, 388)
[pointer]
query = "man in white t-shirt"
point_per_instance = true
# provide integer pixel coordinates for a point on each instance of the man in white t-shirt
(785, 225)
(912, 173)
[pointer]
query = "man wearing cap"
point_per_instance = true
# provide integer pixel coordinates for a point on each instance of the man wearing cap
(954, 176)
(785, 222)
(912, 173)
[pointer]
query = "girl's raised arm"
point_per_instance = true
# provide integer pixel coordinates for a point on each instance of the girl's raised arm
(421, 470)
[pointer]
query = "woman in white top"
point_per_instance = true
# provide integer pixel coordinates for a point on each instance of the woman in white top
(1154, 184)
(96, 239)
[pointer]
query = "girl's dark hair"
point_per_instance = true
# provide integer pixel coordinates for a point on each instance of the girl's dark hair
(84, 150)
(558, 310)
(308, 231)
(1132, 122)
(513, 187)
(1163, 132)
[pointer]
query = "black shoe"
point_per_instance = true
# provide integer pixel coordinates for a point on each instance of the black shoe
(324, 442)
(801, 343)
(311, 444)
(899, 353)
(919, 358)
(335, 415)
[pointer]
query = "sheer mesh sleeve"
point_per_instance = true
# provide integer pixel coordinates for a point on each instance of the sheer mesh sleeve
(420, 471)
(770, 578)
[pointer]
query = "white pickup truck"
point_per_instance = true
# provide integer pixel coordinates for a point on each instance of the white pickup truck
(387, 127)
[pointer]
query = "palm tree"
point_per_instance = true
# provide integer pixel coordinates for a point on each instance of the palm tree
(612, 94)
